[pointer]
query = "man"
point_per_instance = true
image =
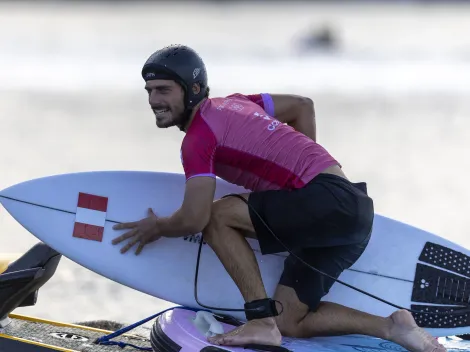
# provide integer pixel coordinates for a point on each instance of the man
(266, 143)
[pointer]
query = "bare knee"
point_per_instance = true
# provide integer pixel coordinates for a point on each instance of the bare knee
(216, 223)
(289, 322)
(289, 328)
(228, 213)
(291, 325)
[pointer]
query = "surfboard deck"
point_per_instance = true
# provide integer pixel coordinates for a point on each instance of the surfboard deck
(74, 214)
(28, 334)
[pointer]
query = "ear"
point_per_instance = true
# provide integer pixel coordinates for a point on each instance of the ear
(196, 88)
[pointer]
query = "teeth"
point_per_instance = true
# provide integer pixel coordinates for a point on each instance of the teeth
(161, 111)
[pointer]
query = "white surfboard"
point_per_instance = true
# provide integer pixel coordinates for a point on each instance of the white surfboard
(402, 264)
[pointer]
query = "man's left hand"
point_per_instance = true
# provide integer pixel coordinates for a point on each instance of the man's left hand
(143, 231)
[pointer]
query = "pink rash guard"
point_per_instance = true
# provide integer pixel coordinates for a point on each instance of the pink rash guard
(237, 139)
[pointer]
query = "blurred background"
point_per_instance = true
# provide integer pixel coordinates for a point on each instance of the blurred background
(390, 81)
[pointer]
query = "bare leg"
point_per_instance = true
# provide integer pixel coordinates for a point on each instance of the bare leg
(332, 319)
(229, 221)
(238, 258)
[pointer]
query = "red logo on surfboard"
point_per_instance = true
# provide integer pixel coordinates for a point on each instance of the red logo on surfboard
(90, 217)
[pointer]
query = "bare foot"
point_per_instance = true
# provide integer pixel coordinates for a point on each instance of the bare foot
(259, 331)
(408, 334)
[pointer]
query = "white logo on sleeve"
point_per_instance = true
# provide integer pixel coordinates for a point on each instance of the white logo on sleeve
(273, 124)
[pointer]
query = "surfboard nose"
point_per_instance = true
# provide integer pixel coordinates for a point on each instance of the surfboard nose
(11, 190)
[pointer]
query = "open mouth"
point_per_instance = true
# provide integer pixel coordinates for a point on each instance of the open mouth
(160, 111)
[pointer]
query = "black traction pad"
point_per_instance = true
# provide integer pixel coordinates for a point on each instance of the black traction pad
(445, 258)
(429, 320)
(433, 285)
(436, 286)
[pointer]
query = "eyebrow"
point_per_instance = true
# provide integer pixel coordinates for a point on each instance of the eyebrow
(159, 87)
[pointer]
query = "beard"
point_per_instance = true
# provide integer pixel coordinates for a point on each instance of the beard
(168, 119)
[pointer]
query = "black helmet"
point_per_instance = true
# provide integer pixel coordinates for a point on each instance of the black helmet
(181, 64)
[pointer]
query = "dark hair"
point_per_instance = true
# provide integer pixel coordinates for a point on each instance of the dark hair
(207, 92)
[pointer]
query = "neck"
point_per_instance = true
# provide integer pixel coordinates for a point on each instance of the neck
(191, 116)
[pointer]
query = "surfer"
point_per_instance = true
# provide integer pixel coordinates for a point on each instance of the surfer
(267, 144)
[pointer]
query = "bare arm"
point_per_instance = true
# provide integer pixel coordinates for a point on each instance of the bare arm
(195, 212)
(297, 111)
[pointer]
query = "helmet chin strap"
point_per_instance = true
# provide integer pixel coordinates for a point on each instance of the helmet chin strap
(187, 111)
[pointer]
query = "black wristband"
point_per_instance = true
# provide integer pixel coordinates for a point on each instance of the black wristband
(260, 308)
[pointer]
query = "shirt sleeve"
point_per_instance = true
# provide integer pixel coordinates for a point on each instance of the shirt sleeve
(264, 100)
(198, 151)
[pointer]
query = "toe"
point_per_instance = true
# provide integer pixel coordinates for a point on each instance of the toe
(435, 342)
(437, 348)
(222, 339)
(215, 340)
(227, 341)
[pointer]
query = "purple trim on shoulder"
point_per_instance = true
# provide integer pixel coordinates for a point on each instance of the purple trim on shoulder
(268, 103)
(207, 175)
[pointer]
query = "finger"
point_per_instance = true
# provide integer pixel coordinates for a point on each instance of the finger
(140, 247)
(125, 225)
(130, 244)
(127, 235)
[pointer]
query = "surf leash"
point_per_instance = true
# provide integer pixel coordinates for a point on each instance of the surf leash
(450, 312)
(105, 340)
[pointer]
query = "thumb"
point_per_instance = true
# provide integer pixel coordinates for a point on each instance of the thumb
(150, 212)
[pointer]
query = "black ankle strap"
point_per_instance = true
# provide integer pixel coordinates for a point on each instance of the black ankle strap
(260, 308)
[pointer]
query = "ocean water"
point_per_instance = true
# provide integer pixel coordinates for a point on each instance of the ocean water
(391, 102)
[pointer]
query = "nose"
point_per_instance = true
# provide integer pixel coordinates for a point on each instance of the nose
(154, 98)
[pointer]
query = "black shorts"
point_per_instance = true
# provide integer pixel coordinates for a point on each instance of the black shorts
(327, 223)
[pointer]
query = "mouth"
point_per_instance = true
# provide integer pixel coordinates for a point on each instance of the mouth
(159, 112)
